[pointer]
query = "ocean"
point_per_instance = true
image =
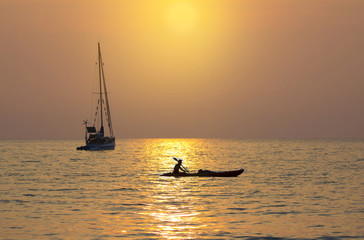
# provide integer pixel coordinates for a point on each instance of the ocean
(291, 189)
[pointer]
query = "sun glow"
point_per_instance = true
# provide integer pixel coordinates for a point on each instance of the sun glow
(182, 17)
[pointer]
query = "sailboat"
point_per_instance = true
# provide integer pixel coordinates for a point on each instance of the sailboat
(96, 139)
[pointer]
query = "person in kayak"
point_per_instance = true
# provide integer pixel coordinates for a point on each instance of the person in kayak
(178, 167)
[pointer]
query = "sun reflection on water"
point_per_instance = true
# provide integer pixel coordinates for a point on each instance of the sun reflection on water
(173, 208)
(173, 212)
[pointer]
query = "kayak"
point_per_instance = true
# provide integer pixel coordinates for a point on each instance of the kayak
(205, 173)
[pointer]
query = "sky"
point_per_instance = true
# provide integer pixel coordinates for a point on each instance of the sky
(184, 68)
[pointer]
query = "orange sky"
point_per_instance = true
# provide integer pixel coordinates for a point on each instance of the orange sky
(184, 68)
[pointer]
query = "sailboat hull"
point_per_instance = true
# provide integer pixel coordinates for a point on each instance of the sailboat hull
(98, 147)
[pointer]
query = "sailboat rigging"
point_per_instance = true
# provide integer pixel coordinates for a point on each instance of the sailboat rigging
(96, 140)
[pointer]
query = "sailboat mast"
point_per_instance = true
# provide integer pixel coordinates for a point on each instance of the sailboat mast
(100, 99)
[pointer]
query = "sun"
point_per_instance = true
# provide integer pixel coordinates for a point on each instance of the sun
(182, 17)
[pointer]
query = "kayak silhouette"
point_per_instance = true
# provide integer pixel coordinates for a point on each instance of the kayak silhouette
(201, 173)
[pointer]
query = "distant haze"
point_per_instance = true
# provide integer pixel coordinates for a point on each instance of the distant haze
(192, 68)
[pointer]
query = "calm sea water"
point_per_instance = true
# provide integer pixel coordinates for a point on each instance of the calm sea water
(291, 189)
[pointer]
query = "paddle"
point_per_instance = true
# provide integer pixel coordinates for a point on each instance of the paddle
(183, 167)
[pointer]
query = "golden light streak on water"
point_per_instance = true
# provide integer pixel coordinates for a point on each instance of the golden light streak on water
(173, 209)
